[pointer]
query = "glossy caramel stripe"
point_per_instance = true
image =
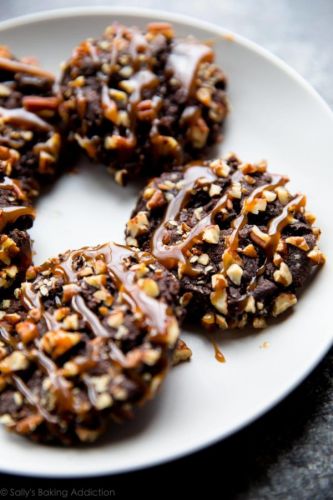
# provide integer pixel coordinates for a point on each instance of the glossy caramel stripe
(242, 219)
(29, 396)
(171, 255)
(20, 67)
(13, 185)
(9, 215)
(157, 314)
(22, 118)
(63, 393)
(278, 223)
(184, 60)
(275, 228)
(32, 300)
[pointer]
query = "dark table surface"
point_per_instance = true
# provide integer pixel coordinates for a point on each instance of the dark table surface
(287, 453)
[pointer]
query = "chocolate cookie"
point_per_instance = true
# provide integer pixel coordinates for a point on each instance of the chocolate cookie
(238, 241)
(29, 148)
(87, 338)
(143, 101)
(16, 216)
(29, 142)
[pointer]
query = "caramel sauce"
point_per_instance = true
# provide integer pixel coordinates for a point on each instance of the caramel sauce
(12, 185)
(91, 49)
(20, 67)
(219, 356)
(29, 396)
(108, 105)
(185, 59)
(8, 215)
(155, 315)
(81, 102)
(64, 394)
(142, 80)
(278, 223)
(65, 401)
(22, 118)
(137, 45)
(238, 224)
(171, 255)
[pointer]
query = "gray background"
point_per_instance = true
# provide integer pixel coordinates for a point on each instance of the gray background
(287, 453)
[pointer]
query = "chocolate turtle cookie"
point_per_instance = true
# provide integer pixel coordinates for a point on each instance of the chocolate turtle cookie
(88, 337)
(29, 148)
(143, 101)
(240, 244)
(29, 142)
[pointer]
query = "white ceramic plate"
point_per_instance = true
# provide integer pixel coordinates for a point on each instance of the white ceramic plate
(275, 115)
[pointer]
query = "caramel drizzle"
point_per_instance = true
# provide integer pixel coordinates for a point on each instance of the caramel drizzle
(144, 79)
(242, 219)
(275, 228)
(185, 59)
(22, 118)
(12, 185)
(137, 45)
(91, 49)
(64, 395)
(20, 67)
(156, 314)
(219, 356)
(29, 396)
(9, 215)
(120, 30)
(278, 223)
(108, 105)
(172, 254)
(141, 80)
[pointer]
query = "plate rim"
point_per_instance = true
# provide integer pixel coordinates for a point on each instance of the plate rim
(53, 14)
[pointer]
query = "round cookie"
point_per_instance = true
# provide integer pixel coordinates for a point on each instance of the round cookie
(238, 241)
(143, 101)
(29, 149)
(87, 338)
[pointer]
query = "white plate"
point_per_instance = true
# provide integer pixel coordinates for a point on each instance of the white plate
(275, 115)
